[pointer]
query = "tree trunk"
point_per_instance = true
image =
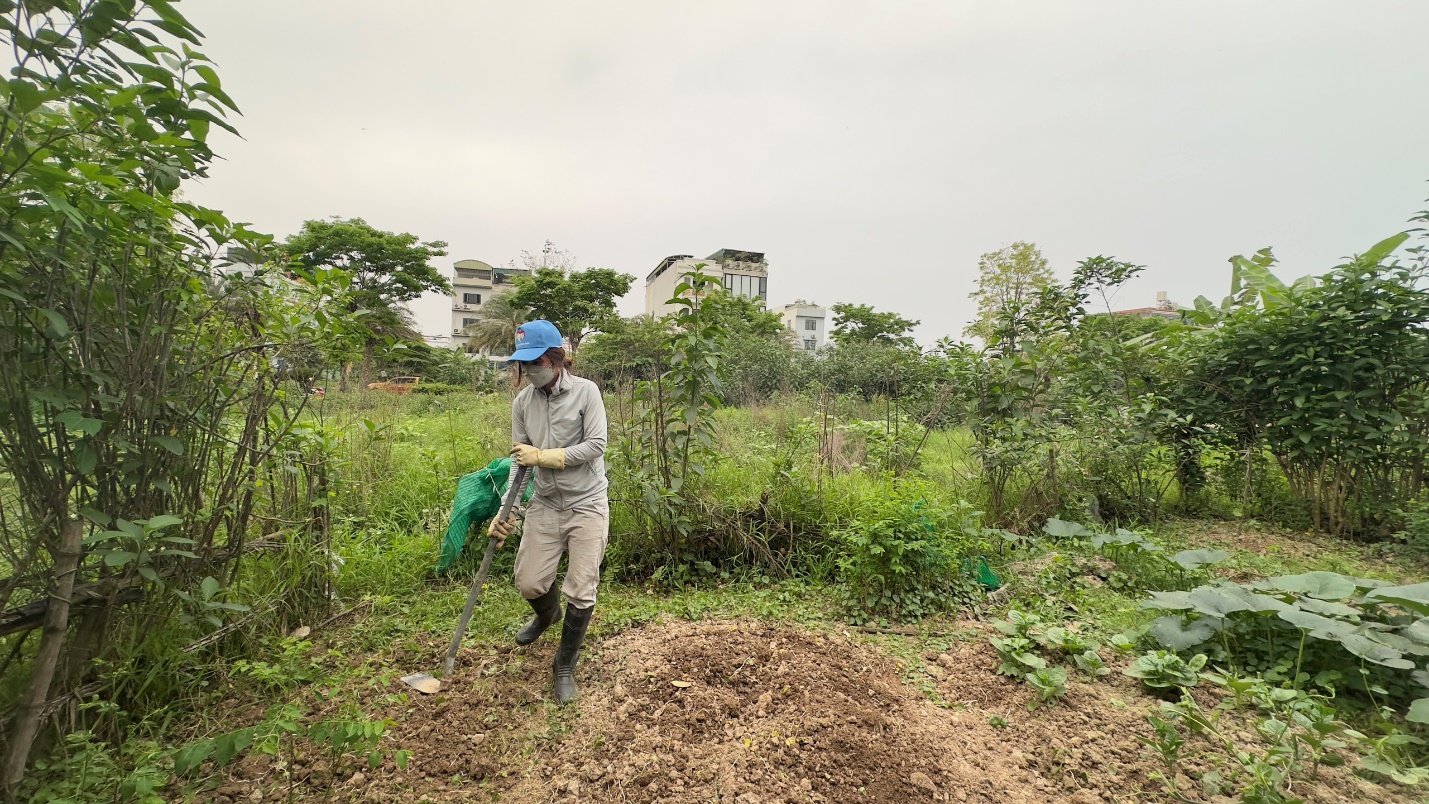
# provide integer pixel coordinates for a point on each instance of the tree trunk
(31, 705)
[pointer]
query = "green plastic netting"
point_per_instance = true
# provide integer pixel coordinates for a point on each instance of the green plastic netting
(478, 498)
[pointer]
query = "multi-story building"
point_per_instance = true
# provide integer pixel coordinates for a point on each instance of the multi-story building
(743, 273)
(475, 283)
(807, 322)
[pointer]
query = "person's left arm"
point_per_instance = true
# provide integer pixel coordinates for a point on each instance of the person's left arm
(593, 413)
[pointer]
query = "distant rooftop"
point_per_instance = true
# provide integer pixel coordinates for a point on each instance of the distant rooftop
(666, 263)
(736, 255)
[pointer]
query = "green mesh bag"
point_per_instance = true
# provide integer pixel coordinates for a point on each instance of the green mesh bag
(977, 568)
(478, 498)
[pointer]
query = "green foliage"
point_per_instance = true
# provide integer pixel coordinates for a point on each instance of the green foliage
(1307, 629)
(1331, 378)
(1295, 729)
(283, 733)
(860, 323)
(89, 769)
(577, 302)
(1009, 283)
(901, 557)
(386, 267)
(669, 442)
(1161, 670)
(440, 388)
(1050, 684)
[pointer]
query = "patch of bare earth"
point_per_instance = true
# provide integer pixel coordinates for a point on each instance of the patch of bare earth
(754, 713)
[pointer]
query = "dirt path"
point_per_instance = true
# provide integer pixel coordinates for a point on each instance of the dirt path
(752, 713)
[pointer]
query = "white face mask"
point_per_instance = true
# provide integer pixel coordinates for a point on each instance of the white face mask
(539, 376)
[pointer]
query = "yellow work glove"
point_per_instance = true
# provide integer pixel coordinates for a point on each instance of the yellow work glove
(500, 529)
(527, 455)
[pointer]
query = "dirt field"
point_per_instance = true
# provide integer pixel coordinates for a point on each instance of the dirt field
(752, 713)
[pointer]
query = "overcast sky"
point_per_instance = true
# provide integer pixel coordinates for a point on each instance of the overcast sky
(871, 149)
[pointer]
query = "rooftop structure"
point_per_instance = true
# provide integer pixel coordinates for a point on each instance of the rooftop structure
(743, 273)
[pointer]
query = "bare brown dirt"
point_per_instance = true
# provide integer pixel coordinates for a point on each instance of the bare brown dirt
(751, 713)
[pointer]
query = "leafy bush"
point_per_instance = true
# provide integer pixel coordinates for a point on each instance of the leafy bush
(440, 388)
(902, 557)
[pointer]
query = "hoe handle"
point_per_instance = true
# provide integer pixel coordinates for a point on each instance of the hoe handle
(514, 487)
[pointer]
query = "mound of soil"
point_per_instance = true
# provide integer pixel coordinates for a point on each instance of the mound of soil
(754, 713)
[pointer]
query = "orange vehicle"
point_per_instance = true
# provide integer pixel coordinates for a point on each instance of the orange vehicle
(396, 385)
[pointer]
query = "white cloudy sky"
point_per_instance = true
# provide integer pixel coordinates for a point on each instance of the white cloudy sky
(871, 149)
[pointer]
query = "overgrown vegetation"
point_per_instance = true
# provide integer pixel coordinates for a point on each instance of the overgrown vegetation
(177, 503)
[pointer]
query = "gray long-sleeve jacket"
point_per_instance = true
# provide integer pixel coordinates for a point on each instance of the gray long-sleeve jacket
(572, 417)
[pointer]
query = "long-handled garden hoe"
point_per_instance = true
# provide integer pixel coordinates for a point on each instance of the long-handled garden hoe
(425, 682)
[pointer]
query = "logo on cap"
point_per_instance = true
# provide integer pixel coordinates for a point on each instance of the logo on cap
(521, 334)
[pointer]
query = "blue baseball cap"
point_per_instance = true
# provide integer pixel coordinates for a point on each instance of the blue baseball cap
(533, 338)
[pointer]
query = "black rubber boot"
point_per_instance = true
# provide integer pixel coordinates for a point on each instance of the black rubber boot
(572, 635)
(548, 613)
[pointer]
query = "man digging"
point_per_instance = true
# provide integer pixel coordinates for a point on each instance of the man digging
(558, 427)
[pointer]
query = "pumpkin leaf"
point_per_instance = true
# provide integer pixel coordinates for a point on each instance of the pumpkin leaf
(1320, 584)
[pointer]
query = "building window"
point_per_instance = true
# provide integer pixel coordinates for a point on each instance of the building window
(810, 344)
(473, 273)
(811, 324)
(750, 287)
(466, 322)
(471, 298)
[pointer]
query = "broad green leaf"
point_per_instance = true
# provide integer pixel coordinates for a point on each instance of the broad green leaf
(1384, 248)
(230, 745)
(191, 756)
(1191, 560)
(1414, 596)
(56, 326)
(1254, 601)
(209, 587)
(169, 443)
(1320, 627)
(1176, 635)
(1061, 529)
(163, 521)
(1326, 607)
(1418, 711)
(1323, 585)
(1372, 651)
(115, 558)
(1212, 603)
(1169, 601)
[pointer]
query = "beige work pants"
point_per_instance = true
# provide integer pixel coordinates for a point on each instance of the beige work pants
(581, 532)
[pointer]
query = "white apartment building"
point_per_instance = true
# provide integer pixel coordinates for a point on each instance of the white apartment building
(743, 273)
(474, 283)
(808, 323)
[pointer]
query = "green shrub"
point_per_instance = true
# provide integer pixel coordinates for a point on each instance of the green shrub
(902, 557)
(440, 388)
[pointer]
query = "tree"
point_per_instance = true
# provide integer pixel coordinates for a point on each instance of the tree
(860, 323)
(577, 302)
(140, 393)
(496, 324)
(741, 315)
(1010, 282)
(387, 270)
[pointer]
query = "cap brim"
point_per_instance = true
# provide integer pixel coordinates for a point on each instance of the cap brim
(526, 354)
